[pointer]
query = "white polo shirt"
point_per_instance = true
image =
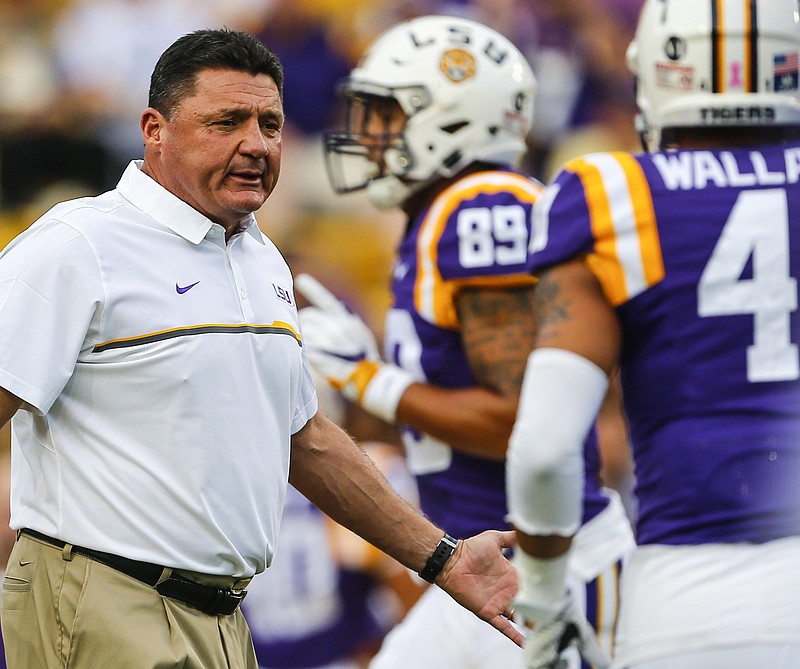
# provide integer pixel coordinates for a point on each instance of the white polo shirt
(163, 374)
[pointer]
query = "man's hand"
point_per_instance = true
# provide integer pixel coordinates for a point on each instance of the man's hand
(481, 579)
(553, 630)
(343, 350)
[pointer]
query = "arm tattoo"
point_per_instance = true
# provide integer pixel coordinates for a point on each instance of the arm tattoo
(497, 330)
(551, 307)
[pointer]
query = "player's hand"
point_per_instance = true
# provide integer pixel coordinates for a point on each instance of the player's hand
(343, 350)
(479, 577)
(553, 629)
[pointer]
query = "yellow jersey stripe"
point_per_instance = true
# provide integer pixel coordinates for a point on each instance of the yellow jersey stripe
(604, 261)
(645, 217)
(627, 255)
(505, 281)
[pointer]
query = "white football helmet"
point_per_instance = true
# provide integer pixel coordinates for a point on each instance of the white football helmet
(713, 64)
(467, 93)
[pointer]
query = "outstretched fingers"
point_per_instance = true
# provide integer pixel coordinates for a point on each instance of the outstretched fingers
(504, 624)
(481, 578)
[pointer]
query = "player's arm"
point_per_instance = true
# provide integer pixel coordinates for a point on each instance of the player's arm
(497, 327)
(498, 332)
(573, 314)
(567, 375)
(8, 406)
(341, 480)
(566, 380)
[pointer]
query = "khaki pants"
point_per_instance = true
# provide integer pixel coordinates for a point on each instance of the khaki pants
(64, 611)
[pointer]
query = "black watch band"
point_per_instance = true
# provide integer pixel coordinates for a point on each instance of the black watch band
(433, 567)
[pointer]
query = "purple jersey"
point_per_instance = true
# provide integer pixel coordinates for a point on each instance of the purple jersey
(699, 253)
(475, 233)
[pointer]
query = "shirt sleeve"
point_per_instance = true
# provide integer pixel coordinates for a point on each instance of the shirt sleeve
(307, 403)
(600, 207)
(51, 298)
(561, 224)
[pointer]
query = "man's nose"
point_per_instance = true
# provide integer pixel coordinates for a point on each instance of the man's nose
(254, 141)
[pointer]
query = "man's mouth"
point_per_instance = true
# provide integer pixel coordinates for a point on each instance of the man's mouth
(250, 177)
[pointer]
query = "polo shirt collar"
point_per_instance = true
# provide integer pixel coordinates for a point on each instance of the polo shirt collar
(168, 209)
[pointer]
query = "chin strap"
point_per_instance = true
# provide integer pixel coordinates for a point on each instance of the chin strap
(643, 132)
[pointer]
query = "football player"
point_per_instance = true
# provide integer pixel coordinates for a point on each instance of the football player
(679, 266)
(438, 111)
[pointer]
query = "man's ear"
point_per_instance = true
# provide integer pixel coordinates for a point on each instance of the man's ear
(151, 124)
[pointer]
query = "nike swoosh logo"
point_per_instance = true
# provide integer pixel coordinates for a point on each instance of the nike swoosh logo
(182, 289)
(25, 563)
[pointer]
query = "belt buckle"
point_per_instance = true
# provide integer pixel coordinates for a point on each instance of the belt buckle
(231, 600)
(208, 599)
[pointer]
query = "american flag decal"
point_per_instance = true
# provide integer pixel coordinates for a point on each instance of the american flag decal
(785, 71)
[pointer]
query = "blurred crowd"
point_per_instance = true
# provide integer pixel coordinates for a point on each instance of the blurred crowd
(74, 76)
(74, 80)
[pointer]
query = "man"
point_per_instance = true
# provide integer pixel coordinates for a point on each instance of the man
(438, 111)
(153, 439)
(680, 267)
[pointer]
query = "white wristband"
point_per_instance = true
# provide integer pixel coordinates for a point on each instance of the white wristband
(542, 583)
(384, 391)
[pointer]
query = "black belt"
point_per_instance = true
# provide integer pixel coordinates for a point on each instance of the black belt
(207, 598)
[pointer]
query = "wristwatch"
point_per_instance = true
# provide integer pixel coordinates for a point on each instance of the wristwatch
(433, 567)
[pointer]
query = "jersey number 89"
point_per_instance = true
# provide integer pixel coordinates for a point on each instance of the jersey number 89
(489, 236)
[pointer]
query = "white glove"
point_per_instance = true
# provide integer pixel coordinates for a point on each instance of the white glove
(554, 621)
(343, 350)
(555, 630)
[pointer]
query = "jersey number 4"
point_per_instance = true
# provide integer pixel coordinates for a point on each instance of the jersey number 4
(757, 228)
